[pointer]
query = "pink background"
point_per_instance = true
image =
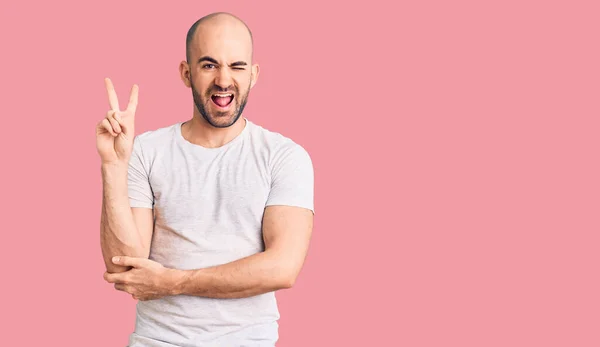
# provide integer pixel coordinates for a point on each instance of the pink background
(455, 147)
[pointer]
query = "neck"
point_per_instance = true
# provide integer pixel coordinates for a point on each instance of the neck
(199, 132)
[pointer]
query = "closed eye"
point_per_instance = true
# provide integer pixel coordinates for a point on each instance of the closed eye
(239, 65)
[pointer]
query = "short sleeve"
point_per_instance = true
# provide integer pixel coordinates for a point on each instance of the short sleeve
(138, 182)
(292, 178)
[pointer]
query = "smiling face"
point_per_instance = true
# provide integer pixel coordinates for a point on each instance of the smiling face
(219, 70)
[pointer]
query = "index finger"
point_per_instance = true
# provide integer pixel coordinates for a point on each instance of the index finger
(117, 277)
(113, 101)
(133, 98)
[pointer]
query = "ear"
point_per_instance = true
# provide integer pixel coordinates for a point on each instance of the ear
(184, 72)
(255, 72)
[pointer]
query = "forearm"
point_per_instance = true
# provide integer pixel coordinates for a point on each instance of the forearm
(253, 275)
(118, 232)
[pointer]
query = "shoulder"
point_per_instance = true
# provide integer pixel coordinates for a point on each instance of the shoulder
(279, 148)
(276, 142)
(148, 145)
(157, 137)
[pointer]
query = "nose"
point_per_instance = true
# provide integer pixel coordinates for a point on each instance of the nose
(223, 79)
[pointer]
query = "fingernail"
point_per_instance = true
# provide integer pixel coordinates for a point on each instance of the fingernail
(115, 259)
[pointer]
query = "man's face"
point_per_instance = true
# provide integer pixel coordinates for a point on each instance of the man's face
(221, 74)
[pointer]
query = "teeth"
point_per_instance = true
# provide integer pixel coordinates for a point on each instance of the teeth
(223, 95)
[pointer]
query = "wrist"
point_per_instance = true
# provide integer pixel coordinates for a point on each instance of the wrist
(176, 281)
(118, 165)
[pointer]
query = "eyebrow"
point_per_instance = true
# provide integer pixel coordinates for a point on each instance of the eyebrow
(214, 61)
(207, 58)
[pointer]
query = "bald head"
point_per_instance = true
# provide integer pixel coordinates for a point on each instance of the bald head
(215, 24)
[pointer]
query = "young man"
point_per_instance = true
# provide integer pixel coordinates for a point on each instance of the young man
(204, 220)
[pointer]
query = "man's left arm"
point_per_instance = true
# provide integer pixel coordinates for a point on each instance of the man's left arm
(286, 232)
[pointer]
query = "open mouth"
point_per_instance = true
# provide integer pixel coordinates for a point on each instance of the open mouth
(222, 100)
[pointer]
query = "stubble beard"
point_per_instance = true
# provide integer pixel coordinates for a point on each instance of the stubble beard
(213, 119)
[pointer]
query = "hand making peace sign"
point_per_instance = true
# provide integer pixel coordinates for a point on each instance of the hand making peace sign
(115, 133)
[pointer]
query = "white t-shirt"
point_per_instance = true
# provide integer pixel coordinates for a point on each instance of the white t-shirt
(209, 204)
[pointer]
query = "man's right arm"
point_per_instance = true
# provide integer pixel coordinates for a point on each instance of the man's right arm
(124, 230)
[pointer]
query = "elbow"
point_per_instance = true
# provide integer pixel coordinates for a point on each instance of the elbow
(138, 252)
(283, 271)
(289, 282)
(284, 283)
(286, 279)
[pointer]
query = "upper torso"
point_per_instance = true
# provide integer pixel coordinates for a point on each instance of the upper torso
(208, 206)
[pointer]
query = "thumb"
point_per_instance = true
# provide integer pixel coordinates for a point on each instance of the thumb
(129, 261)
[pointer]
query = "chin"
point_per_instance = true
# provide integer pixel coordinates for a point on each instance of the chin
(221, 120)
